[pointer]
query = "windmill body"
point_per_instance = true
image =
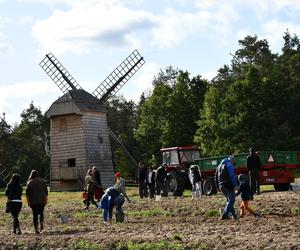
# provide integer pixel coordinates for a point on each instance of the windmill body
(79, 133)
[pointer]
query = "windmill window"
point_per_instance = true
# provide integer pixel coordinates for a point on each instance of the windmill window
(71, 162)
(63, 125)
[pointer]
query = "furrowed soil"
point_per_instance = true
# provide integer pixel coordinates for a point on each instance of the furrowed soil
(170, 223)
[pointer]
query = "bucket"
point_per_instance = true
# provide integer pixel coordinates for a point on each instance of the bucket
(64, 219)
(120, 217)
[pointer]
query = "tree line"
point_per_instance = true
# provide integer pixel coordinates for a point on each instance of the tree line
(252, 101)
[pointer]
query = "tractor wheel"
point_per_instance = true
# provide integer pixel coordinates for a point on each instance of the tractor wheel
(282, 187)
(209, 187)
(176, 182)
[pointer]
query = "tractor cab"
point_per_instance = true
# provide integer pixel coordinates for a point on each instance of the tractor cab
(179, 159)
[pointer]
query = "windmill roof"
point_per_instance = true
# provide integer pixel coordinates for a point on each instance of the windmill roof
(75, 101)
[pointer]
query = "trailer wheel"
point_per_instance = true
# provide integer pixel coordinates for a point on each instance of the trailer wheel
(282, 187)
(209, 187)
(176, 182)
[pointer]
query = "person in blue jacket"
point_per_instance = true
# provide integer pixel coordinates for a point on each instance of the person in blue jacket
(226, 183)
(111, 198)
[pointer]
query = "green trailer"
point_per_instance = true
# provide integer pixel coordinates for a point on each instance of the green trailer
(278, 168)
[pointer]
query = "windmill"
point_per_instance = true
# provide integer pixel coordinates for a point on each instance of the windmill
(79, 134)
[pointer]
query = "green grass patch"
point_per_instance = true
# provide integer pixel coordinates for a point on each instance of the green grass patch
(86, 244)
(267, 188)
(162, 245)
(150, 213)
(212, 213)
(295, 210)
(199, 211)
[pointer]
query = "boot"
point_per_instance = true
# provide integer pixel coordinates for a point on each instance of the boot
(18, 231)
(36, 230)
(42, 226)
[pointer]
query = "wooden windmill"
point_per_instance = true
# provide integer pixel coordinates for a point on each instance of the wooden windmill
(79, 134)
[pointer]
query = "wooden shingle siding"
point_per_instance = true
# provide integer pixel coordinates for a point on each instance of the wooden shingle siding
(98, 150)
(79, 132)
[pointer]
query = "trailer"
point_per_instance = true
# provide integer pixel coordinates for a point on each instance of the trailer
(277, 168)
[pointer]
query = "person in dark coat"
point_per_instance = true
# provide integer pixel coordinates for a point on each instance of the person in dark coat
(246, 195)
(150, 180)
(253, 166)
(14, 197)
(37, 198)
(89, 187)
(142, 175)
(98, 186)
(226, 183)
(160, 179)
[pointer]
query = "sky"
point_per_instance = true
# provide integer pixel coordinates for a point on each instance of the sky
(92, 37)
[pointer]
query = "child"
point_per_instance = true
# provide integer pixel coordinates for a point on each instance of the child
(112, 197)
(120, 185)
(246, 195)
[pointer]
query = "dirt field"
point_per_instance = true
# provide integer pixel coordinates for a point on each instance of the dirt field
(167, 224)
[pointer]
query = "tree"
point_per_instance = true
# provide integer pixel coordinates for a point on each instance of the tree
(122, 119)
(252, 103)
(168, 116)
(6, 146)
(31, 143)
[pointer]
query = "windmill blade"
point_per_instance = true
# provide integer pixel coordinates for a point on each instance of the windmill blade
(58, 73)
(116, 80)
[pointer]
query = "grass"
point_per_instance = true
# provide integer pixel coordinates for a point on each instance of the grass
(295, 210)
(212, 213)
(150, 213)
(86, 244)
(162, 245)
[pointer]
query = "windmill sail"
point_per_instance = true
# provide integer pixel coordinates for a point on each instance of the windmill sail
(58, 73)
(116, 80)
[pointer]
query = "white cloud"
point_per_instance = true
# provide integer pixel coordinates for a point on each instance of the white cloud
(209, 75)
(87, 25)
(175, 26)
(5, 45)
(273, 31)
(26, 20)
(16, 97)
(142, 83)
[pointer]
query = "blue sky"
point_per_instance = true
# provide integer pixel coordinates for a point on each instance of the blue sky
(91, 38)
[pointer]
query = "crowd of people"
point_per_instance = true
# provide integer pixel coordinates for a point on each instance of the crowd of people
(152, 183)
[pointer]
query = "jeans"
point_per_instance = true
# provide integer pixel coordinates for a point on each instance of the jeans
(15, 210)
(38, 210)
(230, 197)
(107, 214)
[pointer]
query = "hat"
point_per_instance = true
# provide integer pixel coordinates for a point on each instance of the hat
(118, 174)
